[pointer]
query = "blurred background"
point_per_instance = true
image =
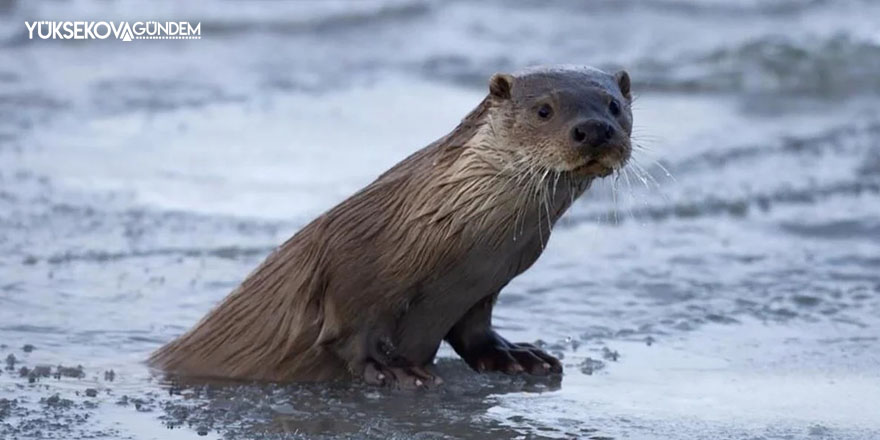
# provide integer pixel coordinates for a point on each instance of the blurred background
(725, 286)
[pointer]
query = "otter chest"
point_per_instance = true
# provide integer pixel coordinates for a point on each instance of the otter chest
(439, 303)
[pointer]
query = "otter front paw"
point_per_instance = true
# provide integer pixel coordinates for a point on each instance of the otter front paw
(408, 378)
(500, 355)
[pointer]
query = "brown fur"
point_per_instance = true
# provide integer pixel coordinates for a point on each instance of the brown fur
(388, 261)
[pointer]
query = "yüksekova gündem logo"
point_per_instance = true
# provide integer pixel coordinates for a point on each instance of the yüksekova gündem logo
(123, 30)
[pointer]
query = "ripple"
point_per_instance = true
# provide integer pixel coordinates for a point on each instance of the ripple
(839, 64)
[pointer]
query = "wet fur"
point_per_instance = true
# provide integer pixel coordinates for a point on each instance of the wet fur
(417, 256)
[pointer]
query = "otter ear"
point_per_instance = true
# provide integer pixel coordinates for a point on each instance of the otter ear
(622, 79)
(500, 85)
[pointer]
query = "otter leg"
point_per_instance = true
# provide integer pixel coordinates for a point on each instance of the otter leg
(484, 350)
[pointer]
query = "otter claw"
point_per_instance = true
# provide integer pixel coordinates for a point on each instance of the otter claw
(399, 377)
(510, 358)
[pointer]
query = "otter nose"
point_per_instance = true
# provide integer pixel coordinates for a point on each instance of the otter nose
(592, 133)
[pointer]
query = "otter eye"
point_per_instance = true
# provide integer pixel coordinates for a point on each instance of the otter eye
(545, 111)
(614, 107)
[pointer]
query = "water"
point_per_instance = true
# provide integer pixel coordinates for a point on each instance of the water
(736, 297)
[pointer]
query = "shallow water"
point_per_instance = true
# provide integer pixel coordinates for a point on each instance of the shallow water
(735, 296)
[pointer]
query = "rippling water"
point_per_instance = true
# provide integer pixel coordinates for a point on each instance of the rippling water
(726, 286)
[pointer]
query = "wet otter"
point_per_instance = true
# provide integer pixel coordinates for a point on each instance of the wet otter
(373, 286)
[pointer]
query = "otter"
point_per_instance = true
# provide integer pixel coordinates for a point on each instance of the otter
(371, 288)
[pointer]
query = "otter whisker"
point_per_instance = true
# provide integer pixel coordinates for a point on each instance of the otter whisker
(521, 200)
(654, 161)
(668, 174)
(639, 136)
(536, 194)
(644, 175)
(539, 196)
(614, 184)
(526, 180)
(546, 198)
(637, 147)
(626, 175)
(639, 174)
(650, 176)
(555, 184)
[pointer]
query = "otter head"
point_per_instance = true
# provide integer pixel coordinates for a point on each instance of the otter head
(574, 120)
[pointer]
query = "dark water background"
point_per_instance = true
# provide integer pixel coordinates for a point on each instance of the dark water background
(736, 296)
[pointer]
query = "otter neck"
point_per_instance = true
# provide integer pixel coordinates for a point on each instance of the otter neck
(494, 191)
